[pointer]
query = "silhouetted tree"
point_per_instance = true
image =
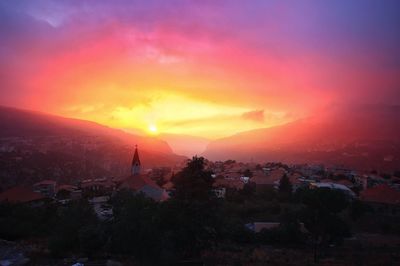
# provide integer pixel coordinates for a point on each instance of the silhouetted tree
(135, 227)
(196, 208)
(68, 232)
(248, 173)
(320, 215)
(193, 182)
(285, 188)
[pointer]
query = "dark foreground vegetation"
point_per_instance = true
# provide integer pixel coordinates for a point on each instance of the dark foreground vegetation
(195, 227)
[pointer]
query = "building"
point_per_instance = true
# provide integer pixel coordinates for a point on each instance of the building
(22, 195)
(141, 183)
(97, 186)
(46, 187)
(335, 186)
(65, 193)
(136, 166)
(383, 199)
(267, 181)
(257, 227)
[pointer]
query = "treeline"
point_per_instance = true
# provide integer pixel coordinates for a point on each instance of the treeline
(181, 228)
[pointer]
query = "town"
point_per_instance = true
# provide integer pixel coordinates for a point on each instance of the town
(199, 133)
(259, 194)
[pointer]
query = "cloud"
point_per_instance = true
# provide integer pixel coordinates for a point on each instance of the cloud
(262, 59)
(256, 115)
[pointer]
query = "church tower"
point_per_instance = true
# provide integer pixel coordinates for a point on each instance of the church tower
(135, 170)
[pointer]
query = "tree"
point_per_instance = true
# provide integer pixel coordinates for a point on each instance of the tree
(135, 227)
(75, 222)
(196, 209)
(193, 182)
(321, 215)
(248, 173)
(285, 188)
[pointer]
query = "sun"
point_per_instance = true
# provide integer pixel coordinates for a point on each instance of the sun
(153, 129)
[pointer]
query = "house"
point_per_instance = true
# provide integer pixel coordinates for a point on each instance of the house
(296, 180)
(228, 183)
(344, 182)
(263, 181)
(103, 210)
(141, 183)
(220, 192)
(382, 198)
(66, 193)
(335, 186)
(257, 227)
(21, 195)
(46, 187)
(97, 186)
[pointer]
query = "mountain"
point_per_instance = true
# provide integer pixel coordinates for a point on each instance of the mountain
(35, 146)
(25, 123)
(362, 137)
(185, 145)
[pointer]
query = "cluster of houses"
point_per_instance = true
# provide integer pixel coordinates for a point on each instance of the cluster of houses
(97, 191)
(383, 194)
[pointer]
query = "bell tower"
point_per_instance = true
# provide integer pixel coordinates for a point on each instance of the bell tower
(135, 170)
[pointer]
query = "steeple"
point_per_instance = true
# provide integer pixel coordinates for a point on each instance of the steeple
(135, 170)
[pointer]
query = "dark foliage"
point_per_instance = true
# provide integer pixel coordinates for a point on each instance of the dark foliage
(285, 188)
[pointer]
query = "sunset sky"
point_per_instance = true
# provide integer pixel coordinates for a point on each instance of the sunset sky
(204, 68)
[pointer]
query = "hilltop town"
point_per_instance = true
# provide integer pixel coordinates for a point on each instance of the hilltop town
(257, 197)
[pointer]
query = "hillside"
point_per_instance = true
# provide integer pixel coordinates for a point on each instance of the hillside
(35, 146)
(185, 145)
(363, 137)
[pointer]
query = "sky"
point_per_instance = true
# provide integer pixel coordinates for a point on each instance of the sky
(203, 68)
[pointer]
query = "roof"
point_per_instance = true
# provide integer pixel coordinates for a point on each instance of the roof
(46, 182)
(142, 183)
(137, 182)
(381, 194)
(20, 194)
(269, 179)
(136, 160)
(259, 226)
(295, 179)
(344, 182)
(168, 185)
(334, 186)
(66, 187)
(219, 182)
(106, 183)
(330, 185)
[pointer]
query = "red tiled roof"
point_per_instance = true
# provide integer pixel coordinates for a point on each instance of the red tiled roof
(228, 183)
(106, 183)
(168, 185)
(381, 194)
(20, 194)
(45, 182)
(139, 181)
(66, 187)
(270, 178)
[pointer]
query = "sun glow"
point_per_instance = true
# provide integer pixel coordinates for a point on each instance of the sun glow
(153, 129)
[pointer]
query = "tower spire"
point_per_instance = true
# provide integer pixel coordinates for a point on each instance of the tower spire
(135, 170)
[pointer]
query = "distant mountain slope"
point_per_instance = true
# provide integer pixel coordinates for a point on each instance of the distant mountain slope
(25, 123)
(361, 136)
(35, 146)
(185, 145)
